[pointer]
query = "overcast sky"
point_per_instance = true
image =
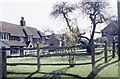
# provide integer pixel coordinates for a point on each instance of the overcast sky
(36, 13)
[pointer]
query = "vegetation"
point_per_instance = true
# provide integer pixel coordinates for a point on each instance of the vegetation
(63, 9)
(96, 11)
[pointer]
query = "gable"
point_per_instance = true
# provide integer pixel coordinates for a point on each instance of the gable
(52, 38)
(111, 28)
(55, 37)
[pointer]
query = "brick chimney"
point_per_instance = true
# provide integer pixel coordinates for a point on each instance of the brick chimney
(22, 22)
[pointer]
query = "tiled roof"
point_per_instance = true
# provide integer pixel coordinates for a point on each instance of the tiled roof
(32, 31)
(41, 33)
(57, 36)
(13, 43)
(17, 30)
(13, 29)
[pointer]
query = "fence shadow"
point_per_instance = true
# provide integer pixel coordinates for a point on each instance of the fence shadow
(32, 74)
(55, 74)
(100, 67)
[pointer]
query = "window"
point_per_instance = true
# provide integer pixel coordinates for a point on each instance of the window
(30, 38)
(5, 36)
(38, 40)
(15, 51)
(21, 39)
(51, 44)
(43, 40)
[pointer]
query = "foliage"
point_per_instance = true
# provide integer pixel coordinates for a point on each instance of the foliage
(71, 39)
(95, 9)
(63, 9)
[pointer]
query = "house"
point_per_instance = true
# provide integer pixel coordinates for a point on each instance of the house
(110, 31)
(11, 37)
(19, 36)
(55, 40)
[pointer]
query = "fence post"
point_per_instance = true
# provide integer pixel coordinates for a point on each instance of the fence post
(105, 51)
(118, 6)
(3, 67)
(0, 63)
(38, 57)
(113, 51)
(93, 56)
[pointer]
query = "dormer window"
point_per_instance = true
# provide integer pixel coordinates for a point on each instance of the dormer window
(5, 36)
(30, 38)
(21, 39)
(42, 40)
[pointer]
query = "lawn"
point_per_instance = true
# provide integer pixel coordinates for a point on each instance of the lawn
(105, 70)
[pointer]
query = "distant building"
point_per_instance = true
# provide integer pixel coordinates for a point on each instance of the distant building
(19, 36)
(55, 40)
(110, 31)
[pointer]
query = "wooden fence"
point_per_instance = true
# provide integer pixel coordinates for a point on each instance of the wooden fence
(3, 67)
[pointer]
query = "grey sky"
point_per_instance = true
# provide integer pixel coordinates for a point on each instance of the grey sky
(36, 13)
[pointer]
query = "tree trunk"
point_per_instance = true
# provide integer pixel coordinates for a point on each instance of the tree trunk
(71, 59)
(66, 19)
(91, 39)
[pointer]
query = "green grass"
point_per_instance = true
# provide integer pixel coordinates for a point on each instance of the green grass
(109, 69)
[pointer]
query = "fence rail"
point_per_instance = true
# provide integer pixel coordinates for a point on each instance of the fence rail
(55, 64)
(52, 47)
(40, 53)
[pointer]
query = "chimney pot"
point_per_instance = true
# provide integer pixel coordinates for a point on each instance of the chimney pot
(22, 22)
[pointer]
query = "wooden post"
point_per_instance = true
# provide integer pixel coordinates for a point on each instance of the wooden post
(3, 67)
(0, 64)
(118, 4)
(105, 51)
(113, 50)
(93, 56)
(38, 57)
(74, 49)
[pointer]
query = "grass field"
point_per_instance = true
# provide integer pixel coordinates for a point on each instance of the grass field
(104, 70)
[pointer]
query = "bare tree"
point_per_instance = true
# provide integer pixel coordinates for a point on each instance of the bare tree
(96, 10)
(63, 10)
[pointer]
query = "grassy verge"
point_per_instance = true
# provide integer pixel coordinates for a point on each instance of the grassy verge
(105, 70)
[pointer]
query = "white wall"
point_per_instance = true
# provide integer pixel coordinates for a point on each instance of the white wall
(60, 43)
(29, 51)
